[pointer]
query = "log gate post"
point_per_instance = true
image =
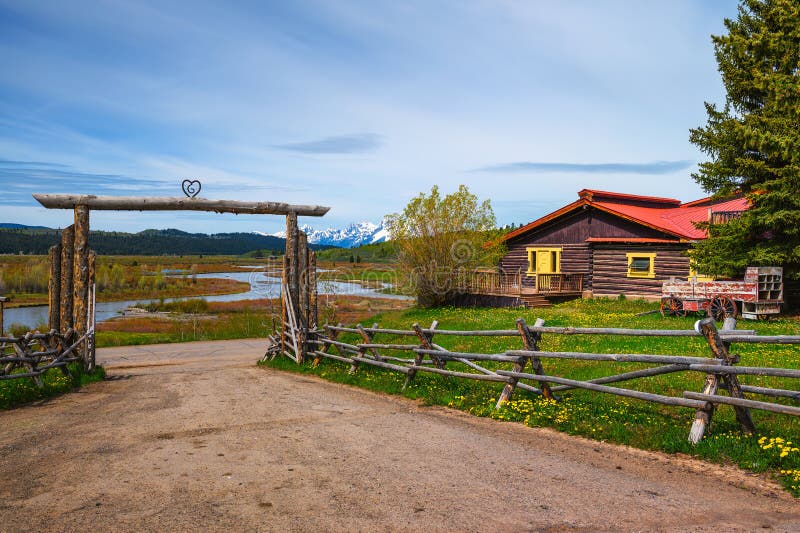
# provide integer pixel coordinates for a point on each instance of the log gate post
(67, 278)
(54, 289)
(720, 350)
(80, 289)
(76, 312)
(3, 301)
(302, 295)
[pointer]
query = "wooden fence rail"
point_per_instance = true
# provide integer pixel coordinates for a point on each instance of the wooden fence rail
(34, 353)
(426, 356)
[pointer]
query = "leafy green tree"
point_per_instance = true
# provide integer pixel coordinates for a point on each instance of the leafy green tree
(753, 142)
(439, 237)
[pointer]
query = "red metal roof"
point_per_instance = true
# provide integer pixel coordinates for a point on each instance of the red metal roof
(594, 194)
(663, 214)
(631, 240)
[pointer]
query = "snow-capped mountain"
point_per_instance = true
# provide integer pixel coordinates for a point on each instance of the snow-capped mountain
(353, 235)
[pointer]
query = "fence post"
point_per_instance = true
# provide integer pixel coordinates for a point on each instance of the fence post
(367, 338)
(331, 334)
(720, 351)
(731, 382)
(530, 342)
(425, 344)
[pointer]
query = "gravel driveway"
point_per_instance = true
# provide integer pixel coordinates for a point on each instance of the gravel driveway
(195, 436)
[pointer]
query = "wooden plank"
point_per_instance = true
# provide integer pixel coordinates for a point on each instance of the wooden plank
(169, 203)
(91, 314)
(523, 386)
(446, 354)
(388, 366)
(657, 398)
(744, 403)
(54, 289)
(761, 339)
(331, 356)
(313, 311)
(617, 357)
(631, 332)
(301, 315)
(626, 376)
(284, 308)
(465, 375)
(748, 370)
(778, 393)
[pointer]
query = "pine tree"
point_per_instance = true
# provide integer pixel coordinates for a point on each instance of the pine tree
(754, 141)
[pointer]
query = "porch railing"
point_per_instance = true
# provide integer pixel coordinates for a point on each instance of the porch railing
(493, 282)
(559, 283)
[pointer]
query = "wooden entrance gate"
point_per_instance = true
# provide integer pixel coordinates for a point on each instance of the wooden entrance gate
(71, 288)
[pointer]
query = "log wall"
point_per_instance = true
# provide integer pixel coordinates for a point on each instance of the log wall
(610, 264)
(571, 232)
(575, 258)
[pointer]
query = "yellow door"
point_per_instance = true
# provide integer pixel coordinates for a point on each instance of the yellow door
(544, 262)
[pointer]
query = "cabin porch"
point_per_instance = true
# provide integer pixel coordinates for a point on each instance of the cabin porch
(535, 290)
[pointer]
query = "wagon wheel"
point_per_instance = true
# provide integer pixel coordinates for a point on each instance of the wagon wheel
(721, 308)
(672, 307)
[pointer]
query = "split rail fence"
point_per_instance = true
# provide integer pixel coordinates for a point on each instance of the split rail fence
(721, 372)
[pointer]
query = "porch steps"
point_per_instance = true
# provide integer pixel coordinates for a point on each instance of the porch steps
(535, 300)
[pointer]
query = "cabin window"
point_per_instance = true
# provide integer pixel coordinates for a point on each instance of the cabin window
(544, 261)
(641, 265)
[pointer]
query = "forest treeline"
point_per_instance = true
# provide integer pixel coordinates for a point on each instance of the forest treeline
(148, 242)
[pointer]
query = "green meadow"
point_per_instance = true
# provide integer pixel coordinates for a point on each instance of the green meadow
(774, 449)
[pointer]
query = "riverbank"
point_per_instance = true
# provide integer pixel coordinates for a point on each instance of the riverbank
(200, 320)
(198, 287)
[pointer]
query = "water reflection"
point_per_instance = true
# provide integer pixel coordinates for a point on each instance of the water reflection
(262, 285)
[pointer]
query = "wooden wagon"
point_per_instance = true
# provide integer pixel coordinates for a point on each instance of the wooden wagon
(758, 295)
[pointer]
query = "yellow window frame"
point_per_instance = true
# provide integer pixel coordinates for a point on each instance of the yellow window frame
(532, 254)
(651, 273)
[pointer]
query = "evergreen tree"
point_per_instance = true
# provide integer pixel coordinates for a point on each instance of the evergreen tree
(754, 141)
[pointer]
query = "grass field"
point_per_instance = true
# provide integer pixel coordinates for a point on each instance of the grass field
(15, 392)
(598, 416)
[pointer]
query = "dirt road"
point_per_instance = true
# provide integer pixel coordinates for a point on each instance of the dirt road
(195, 436)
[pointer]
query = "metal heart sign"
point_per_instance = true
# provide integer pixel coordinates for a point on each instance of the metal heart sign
(191, 188)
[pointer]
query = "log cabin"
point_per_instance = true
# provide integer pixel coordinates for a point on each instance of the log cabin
(604, 244)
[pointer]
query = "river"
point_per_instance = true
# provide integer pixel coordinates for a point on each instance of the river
(261, 286)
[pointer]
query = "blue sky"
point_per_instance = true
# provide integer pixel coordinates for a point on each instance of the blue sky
(358, 105)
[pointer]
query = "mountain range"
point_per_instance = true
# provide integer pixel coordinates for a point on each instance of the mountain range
(356, 234)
